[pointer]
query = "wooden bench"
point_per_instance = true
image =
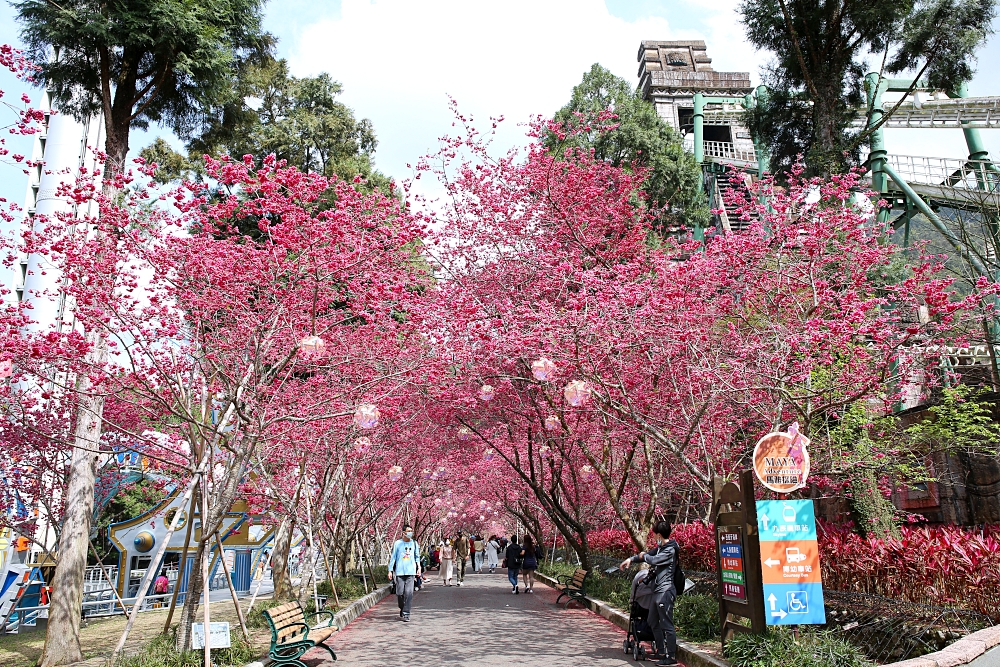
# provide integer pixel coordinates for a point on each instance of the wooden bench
(573, 588)
(292, 635)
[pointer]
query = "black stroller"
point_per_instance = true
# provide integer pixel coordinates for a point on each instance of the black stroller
(638, 618)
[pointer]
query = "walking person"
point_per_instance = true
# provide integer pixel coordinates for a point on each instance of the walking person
(513, 557)
(529, 563)
(404, 566)
(493, 553)
(447, 561)
(461, 554)
(662, 560)
(477, 558)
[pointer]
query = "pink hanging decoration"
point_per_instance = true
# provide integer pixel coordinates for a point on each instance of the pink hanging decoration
(577, 393)
(311, 347)
(486, 393)
(543, 369)
(366, 416)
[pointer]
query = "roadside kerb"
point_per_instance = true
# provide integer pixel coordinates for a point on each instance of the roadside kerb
(346, 616)
(686, 653)
(980, 649)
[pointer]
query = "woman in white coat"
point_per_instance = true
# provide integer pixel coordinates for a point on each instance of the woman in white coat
(493, 553)
(447, 561)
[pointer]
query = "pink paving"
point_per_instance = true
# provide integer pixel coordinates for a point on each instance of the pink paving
(479, 624)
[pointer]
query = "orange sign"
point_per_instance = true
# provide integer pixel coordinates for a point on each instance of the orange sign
(781, 460)
(791, 562)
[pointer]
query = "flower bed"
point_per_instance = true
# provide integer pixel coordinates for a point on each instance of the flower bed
(937, 565)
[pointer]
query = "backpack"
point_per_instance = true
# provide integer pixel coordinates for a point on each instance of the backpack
(679, 579)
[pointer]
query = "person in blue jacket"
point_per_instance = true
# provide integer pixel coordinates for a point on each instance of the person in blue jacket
(404, 566)
(662, 560)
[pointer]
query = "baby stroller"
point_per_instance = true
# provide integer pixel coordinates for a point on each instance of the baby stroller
(638, 618)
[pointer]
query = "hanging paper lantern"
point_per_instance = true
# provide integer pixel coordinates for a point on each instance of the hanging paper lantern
(486, 393)
(465, 432)
(543, 369)
(362, 445)
(577, 393)
(482, 504)
(311, 347)
(434, 476)
(588, 471)
(408, 498)
(544, 451)
(366, 416)
(489, 453)
(551, 423)
(442, 472)
(426, 473)
(6, 368)
(395, 472)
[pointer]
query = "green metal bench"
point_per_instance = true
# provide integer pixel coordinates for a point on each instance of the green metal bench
(292, 635)
(573, 587)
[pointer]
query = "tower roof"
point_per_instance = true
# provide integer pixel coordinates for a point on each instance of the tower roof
(684, 67)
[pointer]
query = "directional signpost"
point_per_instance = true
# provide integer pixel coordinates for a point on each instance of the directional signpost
(789, 557)
(737, 556)
(734, 583)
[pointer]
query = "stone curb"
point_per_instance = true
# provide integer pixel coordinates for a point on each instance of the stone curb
(346, 616)
(981, 649)
(686, 653)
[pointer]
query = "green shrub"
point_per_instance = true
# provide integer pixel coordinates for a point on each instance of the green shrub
(779, 648)
(697, 617)
(159, 652)
(255, 619)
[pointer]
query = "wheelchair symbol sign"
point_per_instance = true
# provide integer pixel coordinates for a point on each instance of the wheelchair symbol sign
(798, 602)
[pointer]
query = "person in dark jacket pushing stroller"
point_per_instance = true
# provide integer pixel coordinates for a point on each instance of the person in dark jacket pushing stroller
(662, 560)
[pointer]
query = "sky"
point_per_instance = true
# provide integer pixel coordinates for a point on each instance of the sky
(400, 60)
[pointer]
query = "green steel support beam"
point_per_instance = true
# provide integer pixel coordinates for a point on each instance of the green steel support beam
(762, 158)
(922, 206)
(875, 86)
(699, 132)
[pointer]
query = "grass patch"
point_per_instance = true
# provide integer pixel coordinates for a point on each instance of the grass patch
(697, 617)
(779, 648)
(159, 652)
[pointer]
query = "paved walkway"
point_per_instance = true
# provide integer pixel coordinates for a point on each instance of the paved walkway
(480, 624)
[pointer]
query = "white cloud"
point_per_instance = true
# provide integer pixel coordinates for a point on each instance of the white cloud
(399, 60)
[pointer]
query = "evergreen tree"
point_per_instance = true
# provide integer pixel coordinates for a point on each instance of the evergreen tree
(821, 51)
(641, 139)
(299, 120)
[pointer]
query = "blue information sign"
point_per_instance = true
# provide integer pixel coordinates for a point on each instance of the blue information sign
(781, 520)
(789, 553)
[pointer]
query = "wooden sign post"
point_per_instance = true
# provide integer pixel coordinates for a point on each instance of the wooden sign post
(737, 555)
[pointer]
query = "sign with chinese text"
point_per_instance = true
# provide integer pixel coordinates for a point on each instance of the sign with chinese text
(789, 558)
(781, 460)
(731, 553)
(218, 635)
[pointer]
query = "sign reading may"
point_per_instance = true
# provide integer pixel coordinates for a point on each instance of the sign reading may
(781, 460)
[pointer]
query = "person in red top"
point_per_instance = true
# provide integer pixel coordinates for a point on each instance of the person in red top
(161, 584)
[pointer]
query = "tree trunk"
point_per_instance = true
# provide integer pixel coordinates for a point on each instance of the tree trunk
(873, 513)
(62, 639)
(279, 560)
(196, 584)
